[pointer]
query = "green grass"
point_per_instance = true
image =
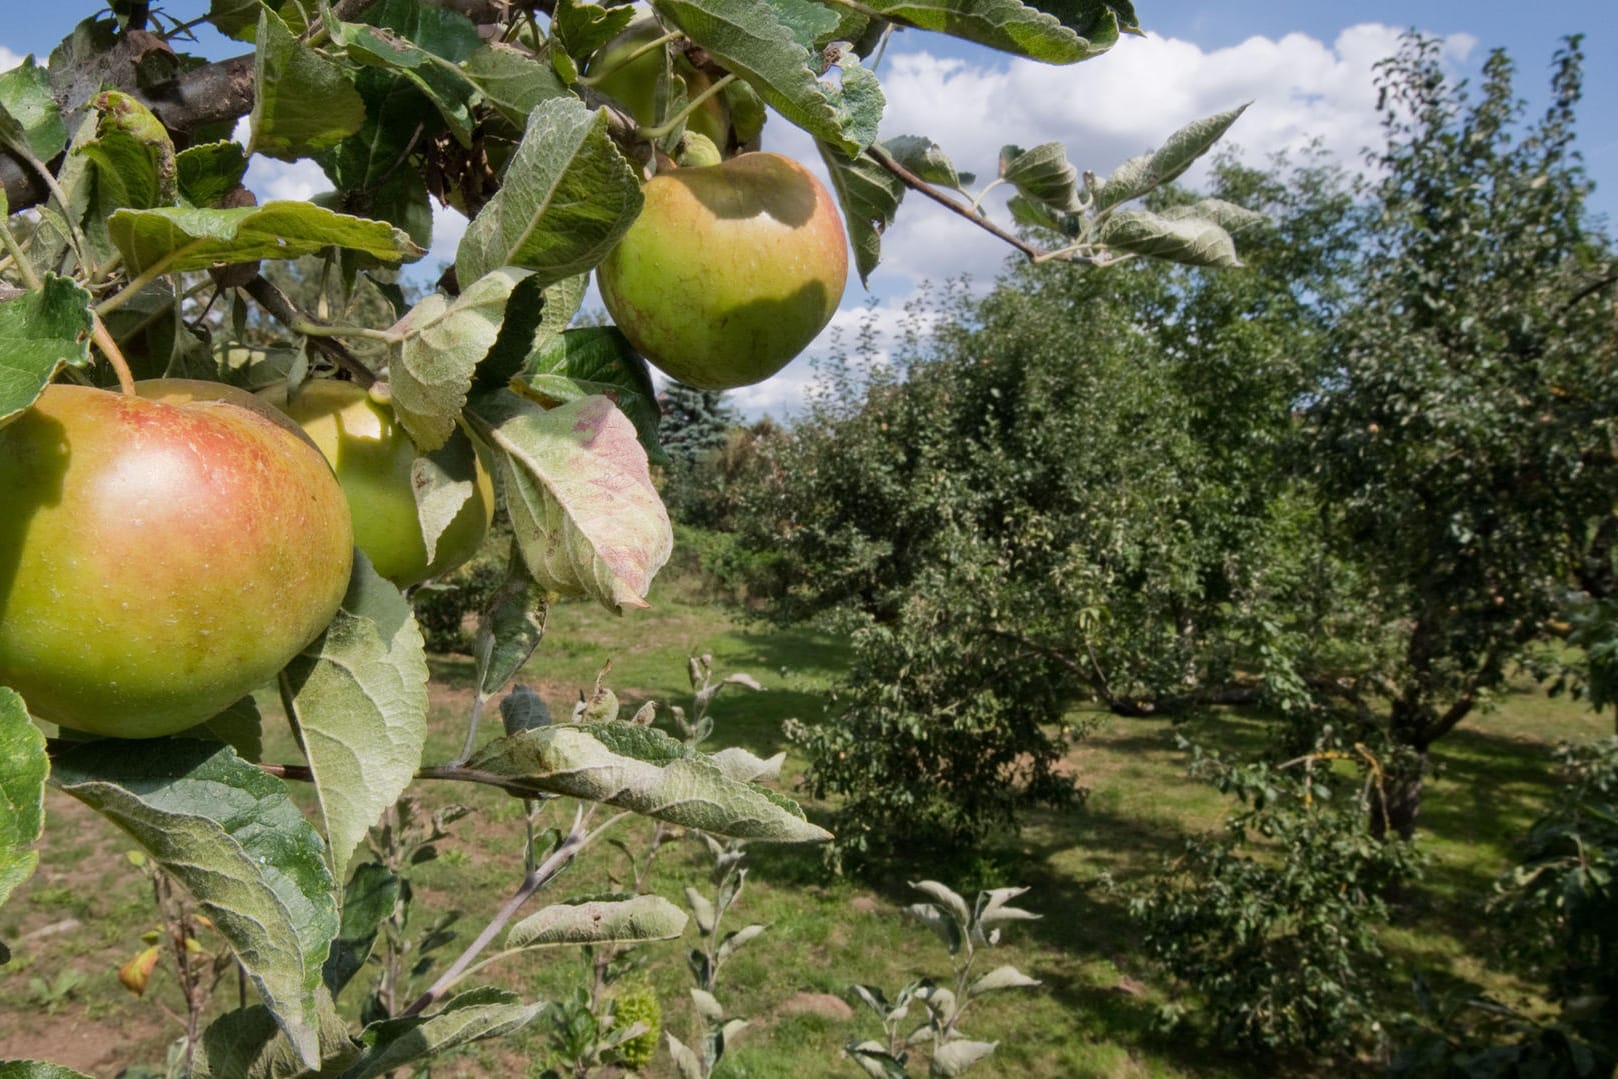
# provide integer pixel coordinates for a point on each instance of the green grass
(1092, 1016)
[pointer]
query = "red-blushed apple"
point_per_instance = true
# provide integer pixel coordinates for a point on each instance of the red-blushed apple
(372, 455)
(729, 271)
(160, 559)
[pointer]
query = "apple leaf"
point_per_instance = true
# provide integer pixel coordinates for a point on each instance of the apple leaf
(954, 1057)
(175, 238)
(23, 768)
(30, 121)
(580, 495)
(1227, 215)
(302, 102)
(369, 899)
(624, 921)
(245, 1044)
(132, 153)
(1139, 175)
(468, 1017)
(690, 791)
(37, 1069)
(582, 28)
(393, 123)
(771, 46)
(1005, 977)
(443, 481)
(1042, 174)
(595, 360)
(512, 81)
(1071, 31)
(747, 767)
(567, 197)
(240, 727)
(443, 342)
(926, 159)
(234, 18)
(209, 172)
(534, 318)
(510, 628)
(39, 333)
(435, 76)
(232, 837)
(358, 696)
(1192, 241)
(869, 195)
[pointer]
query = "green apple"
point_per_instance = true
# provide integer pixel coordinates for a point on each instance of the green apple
(634, 84)
(372, 455)
(729, 271)
(161, 554)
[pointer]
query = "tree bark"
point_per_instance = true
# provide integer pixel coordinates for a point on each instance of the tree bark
(1397, 814)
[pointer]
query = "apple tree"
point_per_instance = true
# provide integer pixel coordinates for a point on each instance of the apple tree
(134, 279)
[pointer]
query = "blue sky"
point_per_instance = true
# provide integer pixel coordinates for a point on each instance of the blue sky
(1304, 65)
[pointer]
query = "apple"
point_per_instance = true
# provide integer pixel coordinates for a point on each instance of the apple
(729, 271)
(372, 455)
(161, 554)
(634, 84)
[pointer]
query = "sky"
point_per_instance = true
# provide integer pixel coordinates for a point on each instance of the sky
(1305, 66)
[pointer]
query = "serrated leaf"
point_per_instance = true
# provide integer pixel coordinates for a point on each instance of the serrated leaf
(594, 360)
(773, 47)
(369, 899)
(30, 119)
(926, 159)
(443, 342)
(302, 102)
(1192, 241)
(23, 768)
(535, 317)
(869, 195)
(684, 1059)
(1139, 175)
(393, 124)
(184, 238)
(567, 197)
(246, 1044)
(240, 727)
(1227, 215)
(745, 767)
(40, 333)
(1026, 211)
(205, 174)
(1004, 977)
(624, 921)
(690, 792)
(954, 1057)
(580, 495)
(582, 28)
(468, 1017)
(512, 81)
(510, 629)
(37, 1069)
(232, 837)
(701, 909)
(1073, 31)
(436, 78)
(443, 481)
(1042, 174)
(358, 696)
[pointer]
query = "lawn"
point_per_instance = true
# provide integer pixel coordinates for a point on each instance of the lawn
(83, 913)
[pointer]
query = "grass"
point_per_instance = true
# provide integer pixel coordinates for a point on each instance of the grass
(86, 907)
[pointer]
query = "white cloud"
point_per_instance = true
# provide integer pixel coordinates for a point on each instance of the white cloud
(9, 59)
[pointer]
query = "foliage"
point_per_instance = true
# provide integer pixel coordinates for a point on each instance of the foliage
(1274, 923)
(445, 605)
(1462, 436)
(963, 930)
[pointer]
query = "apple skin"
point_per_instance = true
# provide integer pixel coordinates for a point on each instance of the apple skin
(634, 85)
(159, 559)
(372, 454)
(729, 271)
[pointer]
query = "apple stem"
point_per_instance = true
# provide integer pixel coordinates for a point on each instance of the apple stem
(656, 43)
(652, 134)
(109, 348)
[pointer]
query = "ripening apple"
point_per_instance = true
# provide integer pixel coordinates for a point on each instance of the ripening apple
(372, 454)
(729, 271)
(634, 84)
(161, 554)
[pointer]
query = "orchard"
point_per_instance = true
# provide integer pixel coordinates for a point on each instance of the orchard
(176, 559)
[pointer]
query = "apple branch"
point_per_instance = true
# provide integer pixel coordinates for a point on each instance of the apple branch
(284, 311)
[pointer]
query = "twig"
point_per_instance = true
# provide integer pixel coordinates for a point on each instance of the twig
(281, 307)
(916, 183)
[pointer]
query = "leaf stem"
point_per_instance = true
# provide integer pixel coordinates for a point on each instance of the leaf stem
(138, 282)
(29, 276)
(109, 348)
(916, 183)
(652, 134)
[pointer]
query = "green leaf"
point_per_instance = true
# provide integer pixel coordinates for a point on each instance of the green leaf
(535, 316)
(443, 481)
(302, 102)
(436, 77)
(131, 156)
(178, 238)
(869, 195)
(1139, 175)
(512, 81)
(358, 695)
(23, 768)
(37, 1069)
(628, 921)
(1039, 215)
(595, 360)
(236, 18)
(29, 117)
(580, 495)
(1227, 215)
(1004, 977)
(209, 172)
(468, 1017)
(875, 1060)
(240, 727)
(510, 629)
(443, 342)
(393, 125)
(40, 332)
(246, 1044)
(369, 900)
(1042, 174)
(567, 197)
(954, 1057)
(926, 159)
(767, 44)
(1193, 241)
(582, 28)
(1073, 30)
(230, 835)
(690, 791)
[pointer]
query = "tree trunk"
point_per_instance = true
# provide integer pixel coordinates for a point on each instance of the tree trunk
(1395, 814)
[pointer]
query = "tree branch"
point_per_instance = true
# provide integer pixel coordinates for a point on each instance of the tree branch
(281, 307)
(916, 183)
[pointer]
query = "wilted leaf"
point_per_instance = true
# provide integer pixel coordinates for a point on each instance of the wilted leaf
(40, 332)
(645, 917)
(358, 695)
